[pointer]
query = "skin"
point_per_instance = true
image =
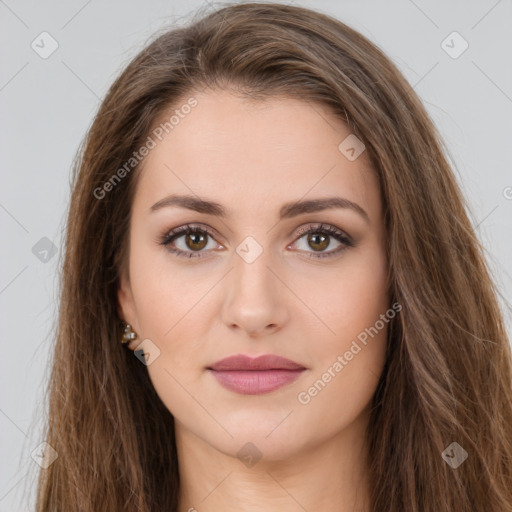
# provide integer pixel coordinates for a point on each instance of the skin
(252, 157)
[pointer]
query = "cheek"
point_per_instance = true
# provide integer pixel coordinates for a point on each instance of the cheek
(348, 362)
(348, 299)
(342, 388)
(349, 359)
(167, 293)
(172, 317)
(174, 312)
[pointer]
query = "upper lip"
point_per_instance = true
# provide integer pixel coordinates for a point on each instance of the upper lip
(264, 362)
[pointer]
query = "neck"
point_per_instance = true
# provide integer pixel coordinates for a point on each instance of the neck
(329, 476)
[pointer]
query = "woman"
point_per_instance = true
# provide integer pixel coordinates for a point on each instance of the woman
(262, 214)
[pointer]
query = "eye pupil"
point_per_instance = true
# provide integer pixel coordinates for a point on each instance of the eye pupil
(196, 237)
(315, 237)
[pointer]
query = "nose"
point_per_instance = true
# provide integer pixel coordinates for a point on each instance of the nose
(255, 298)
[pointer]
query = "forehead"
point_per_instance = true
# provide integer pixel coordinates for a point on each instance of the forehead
(252, 153)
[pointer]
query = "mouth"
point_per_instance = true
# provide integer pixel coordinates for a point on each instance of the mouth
(254, 376)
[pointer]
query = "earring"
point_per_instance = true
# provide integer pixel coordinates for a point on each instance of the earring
(128, 335)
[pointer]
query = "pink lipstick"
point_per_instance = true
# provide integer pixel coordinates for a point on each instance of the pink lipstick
(254, 376)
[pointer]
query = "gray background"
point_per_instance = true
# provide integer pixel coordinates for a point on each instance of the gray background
(47, 105)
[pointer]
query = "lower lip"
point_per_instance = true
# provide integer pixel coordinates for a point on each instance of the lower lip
(255, 382)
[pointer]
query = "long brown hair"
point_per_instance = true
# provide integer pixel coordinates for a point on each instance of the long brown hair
(448, 372)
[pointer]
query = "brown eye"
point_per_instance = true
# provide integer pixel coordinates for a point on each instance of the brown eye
(196, 240)
(188, 241)
(318, 241)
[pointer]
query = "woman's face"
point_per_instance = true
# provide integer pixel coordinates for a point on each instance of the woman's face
(252, 281)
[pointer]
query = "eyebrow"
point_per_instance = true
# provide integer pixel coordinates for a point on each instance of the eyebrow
(287, 211)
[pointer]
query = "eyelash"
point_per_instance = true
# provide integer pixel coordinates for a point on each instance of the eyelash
(324, 229)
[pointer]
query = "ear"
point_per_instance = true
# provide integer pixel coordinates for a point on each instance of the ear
(126, 307)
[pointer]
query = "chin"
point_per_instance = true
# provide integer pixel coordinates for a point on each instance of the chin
(253, 448)
(262, 432)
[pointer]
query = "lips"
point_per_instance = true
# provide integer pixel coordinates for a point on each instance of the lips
(254, 376)
(265, 362)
